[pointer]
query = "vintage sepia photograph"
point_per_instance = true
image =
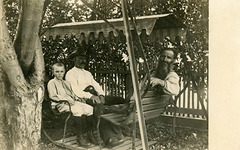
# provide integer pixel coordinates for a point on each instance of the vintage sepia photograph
(104, 74)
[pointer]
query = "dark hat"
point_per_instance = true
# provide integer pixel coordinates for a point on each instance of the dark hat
(77, 52)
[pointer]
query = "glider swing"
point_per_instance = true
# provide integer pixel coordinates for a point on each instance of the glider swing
(147, 105)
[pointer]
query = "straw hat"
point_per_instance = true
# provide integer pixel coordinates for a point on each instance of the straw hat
(77, 52)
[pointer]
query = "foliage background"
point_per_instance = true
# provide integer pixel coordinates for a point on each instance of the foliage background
(193, 13)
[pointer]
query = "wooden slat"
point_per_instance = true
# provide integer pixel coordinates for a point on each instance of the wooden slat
(198, 102)
(193, 99)
(149, 94)
(150, 114)
(112, 115)
(150, 100)
(186, 111)
(121, 146)
(70, 143)
(186, 122)
(154, 106)
(129, 145)
(188, 102)
(73, 143)
(67, 139)
(184, 97)
(180, 97)
(153, 113)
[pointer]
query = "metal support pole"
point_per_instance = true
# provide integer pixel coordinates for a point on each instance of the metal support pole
(133, 67)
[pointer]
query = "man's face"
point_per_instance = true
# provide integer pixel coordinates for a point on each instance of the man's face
(167, 56)
(165, 64)
(80, 62)
(58, 72)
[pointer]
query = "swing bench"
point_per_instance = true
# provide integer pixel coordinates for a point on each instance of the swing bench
(153, 108)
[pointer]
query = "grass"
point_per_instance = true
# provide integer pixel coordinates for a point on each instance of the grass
(184, 139)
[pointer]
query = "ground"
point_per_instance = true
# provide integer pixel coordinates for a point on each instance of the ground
(184, 139)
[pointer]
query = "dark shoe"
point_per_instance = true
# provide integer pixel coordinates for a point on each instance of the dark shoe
(83, 142)
(92, 139)
(113, 142)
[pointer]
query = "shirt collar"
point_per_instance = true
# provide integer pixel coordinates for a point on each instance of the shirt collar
(58, 80)
(78, 68)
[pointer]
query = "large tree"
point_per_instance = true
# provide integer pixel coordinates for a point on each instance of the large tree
(22, 74)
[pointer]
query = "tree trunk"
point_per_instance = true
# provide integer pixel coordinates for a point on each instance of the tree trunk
(21, 89)
(20, 118)
(23, 121)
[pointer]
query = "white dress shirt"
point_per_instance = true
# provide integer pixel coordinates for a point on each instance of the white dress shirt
(61, 90)
(171, 84)
(80, 79)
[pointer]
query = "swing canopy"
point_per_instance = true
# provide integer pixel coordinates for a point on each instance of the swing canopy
(153, 27)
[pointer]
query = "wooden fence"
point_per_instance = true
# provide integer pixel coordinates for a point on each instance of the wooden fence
(115, 78)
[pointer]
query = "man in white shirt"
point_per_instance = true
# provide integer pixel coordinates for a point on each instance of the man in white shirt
(80, 79)
(164, 80)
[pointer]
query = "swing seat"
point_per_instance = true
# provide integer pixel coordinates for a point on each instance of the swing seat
(153, 106)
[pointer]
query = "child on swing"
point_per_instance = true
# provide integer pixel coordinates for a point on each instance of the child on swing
(60, 89)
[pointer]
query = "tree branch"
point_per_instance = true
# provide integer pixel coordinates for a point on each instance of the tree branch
(46, 3)
(39, 63)
(8, 57)
(18, 23)
(27, 36)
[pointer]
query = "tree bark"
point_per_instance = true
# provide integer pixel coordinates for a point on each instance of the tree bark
(28, 31)
(21, 99)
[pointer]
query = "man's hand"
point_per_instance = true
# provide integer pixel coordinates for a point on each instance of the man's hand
(156, 81)
(102, 99)
(95, 99)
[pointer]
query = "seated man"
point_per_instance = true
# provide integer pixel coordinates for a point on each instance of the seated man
(164, 81)
(80, 79)
(59, 89)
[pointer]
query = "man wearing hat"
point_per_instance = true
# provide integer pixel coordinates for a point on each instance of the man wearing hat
(80, 79)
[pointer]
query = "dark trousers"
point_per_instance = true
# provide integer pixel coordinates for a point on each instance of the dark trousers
(114, 100)
(109, 100)
(107, 129)
(82, 121)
